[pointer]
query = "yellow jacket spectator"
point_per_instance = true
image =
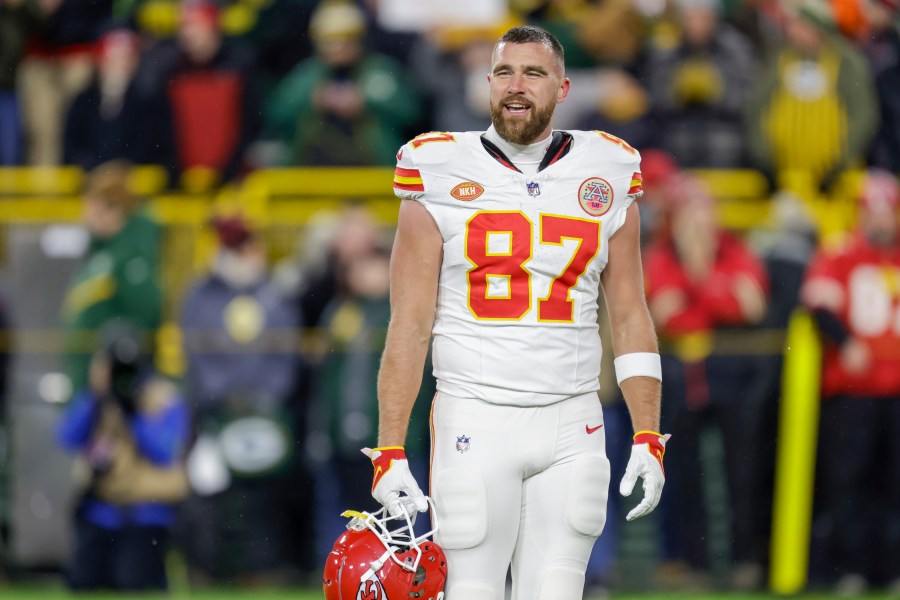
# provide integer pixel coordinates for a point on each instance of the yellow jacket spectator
(815, 107)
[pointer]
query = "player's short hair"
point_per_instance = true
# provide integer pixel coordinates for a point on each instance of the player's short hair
(529, 34)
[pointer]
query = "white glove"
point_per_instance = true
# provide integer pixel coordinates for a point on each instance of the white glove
(647, 462)
(392, 478)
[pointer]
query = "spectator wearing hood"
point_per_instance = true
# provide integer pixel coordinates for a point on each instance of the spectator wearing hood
(115, 117)
(345, 105)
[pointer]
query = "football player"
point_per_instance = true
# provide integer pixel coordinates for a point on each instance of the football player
(504, 240)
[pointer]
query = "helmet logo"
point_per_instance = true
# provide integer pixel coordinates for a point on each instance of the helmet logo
(370, 589)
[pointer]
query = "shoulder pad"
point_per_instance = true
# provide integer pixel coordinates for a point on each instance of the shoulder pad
(433, 147)
(615, 148)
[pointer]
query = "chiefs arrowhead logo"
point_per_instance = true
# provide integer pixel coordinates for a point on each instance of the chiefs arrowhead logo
(370, 590)
(467, 190)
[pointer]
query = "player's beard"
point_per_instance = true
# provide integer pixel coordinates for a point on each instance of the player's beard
(521, 131)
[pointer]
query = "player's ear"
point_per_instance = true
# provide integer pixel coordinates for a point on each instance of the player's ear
(563, 90)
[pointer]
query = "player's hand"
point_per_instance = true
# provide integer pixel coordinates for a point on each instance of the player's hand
(646, 462)
(393, 478)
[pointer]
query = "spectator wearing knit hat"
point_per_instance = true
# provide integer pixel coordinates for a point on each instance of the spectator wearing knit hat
(698, 88)
(814, 108)
(210, 85)
(345, 105)
(241, 341)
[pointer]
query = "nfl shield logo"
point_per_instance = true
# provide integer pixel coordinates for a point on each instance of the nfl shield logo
(534, 188)
(462, 444)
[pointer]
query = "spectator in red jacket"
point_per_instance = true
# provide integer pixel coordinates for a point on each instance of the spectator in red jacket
(701, 280)
(854, 293)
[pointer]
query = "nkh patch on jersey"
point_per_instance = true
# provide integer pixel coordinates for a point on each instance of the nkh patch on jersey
(467, 190)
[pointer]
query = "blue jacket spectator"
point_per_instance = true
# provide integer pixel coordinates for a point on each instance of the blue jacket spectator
(130, 428)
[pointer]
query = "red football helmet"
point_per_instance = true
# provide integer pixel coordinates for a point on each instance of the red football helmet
(372, 562)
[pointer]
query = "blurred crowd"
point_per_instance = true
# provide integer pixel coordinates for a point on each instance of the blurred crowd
(244, 463)
(767, 84)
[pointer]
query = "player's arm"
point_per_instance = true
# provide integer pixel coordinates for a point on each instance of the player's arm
(630, 322)
(415, 269)
(637, 362)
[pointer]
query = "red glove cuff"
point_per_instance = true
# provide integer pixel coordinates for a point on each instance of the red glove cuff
(656, 444)
(384, 461)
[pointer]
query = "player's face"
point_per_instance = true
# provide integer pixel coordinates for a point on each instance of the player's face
(527, 82)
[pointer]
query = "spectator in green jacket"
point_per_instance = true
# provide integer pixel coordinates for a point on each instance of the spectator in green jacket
(343, 106)
(118, 276)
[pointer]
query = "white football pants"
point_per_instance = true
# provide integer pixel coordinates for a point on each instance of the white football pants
(520, 486)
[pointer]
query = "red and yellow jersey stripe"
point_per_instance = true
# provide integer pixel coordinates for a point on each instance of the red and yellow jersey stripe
(408, 180)
(636, 188)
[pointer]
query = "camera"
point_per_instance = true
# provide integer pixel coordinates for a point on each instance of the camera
(126, 364)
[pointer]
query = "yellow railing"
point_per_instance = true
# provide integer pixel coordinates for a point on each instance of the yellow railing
(292, 195)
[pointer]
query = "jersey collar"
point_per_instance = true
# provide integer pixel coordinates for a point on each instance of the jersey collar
(560, 145)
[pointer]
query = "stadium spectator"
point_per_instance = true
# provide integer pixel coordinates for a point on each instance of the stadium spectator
(345, 407)
(58, 65)
(883, 50)
(814, 108)
(604, 33)
(658, 169)
(280, 40)
(6, 470)
(398, 44)
(333, 241)
(118, 276)
(701, 281)
(346, 105)
(129, 427)
(18, 18)
(240, 337)
(210, 85)
(853, 294)
(453, 64)
(114, 118)
(698, 89)
(622, 109)
(786, 247)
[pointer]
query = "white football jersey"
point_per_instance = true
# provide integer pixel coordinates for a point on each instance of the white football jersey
(516, 320)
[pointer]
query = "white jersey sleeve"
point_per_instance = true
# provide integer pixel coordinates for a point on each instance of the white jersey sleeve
(408, 184)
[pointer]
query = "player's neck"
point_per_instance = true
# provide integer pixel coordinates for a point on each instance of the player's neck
(527, 157)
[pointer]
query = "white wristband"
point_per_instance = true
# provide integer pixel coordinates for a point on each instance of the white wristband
(638, 364)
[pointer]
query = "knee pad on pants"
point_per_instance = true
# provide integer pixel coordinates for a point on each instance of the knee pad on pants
(461, 504)
(560, 583)
(588, 495)
(473, 591)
